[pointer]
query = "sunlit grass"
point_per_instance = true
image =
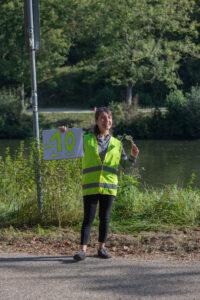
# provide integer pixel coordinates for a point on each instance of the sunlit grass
(133, 210)
(152, 209)
(53, 120)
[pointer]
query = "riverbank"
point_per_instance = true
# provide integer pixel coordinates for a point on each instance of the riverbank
(135, 208)
(170, 243)
(143, 223)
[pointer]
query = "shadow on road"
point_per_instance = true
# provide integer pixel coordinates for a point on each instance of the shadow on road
(108, 278)
(62, 259)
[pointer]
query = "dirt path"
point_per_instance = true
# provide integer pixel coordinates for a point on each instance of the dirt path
(174, 244)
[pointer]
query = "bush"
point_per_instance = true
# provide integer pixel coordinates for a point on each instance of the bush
(181, 121)
(12, 123)
(175, 102)
(140, 126)
(192, 113)
(183, 116)
(122, 112)
(175, 116)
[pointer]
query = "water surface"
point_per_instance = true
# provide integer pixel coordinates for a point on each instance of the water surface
(169, 162)
(164, 161)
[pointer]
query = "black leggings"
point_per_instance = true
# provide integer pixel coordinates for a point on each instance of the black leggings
(90, 205)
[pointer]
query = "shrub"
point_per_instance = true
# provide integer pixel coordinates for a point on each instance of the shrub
(175, 102)
(12, 122)
(192, 113)
(122, 112)
(175, 116)
(183, 116)
(182, 119)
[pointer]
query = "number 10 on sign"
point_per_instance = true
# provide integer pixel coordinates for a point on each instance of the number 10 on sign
(57, 145)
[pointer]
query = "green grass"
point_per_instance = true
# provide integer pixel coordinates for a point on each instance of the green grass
(54, 120)
(153, 209)
(49, 121)
(134, 209)
(61, 191)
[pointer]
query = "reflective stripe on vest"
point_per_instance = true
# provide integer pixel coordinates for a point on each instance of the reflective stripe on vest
(99, 168)
(103, 185)
(98, 177)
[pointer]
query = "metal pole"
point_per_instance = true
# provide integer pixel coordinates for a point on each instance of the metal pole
(35, 104)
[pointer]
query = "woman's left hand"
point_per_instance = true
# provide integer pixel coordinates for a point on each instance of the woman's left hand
(134, 151)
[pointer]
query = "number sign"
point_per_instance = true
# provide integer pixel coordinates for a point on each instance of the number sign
(59, 145)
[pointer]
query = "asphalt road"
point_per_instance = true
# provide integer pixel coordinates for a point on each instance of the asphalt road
(60, 110)
(78, 110)
(26, 277)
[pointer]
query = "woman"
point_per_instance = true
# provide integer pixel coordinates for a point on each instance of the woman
(102, 154)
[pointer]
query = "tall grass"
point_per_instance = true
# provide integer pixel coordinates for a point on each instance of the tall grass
(151, 208)
(134, 209)
(61, 186)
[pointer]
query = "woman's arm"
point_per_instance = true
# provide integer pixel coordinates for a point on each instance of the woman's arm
(134, 151)
(125, 161)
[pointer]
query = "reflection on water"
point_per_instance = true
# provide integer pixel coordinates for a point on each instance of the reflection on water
(165, 162)
(169, 162)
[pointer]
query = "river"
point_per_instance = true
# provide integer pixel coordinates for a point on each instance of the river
(169, 162)
(159, 162)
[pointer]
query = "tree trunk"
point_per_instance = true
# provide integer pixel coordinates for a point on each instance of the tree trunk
(129, 94)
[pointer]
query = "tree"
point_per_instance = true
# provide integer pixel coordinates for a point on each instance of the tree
(190, 68)
(139, 41)
(56, 38)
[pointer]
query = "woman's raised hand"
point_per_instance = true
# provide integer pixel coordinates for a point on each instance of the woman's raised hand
(134, 150)
(62, 129)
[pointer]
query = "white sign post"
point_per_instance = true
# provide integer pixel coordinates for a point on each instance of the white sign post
(57, 145)
(32, 38)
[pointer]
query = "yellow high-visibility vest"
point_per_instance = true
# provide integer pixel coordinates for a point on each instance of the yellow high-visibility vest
(100, 177)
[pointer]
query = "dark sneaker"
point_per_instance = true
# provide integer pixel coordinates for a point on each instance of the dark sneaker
(80, 255)
(103, 253)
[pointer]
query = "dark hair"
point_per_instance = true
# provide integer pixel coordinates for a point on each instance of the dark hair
(97, 113)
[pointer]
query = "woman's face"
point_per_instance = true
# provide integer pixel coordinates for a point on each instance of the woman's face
(104, 122)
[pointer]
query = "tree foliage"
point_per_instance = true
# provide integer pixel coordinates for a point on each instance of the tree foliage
(56, 30)
(139, 41)
(126, 42)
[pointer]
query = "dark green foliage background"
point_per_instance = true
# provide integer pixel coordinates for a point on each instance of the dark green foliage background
(180, 121)
(88, 57)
